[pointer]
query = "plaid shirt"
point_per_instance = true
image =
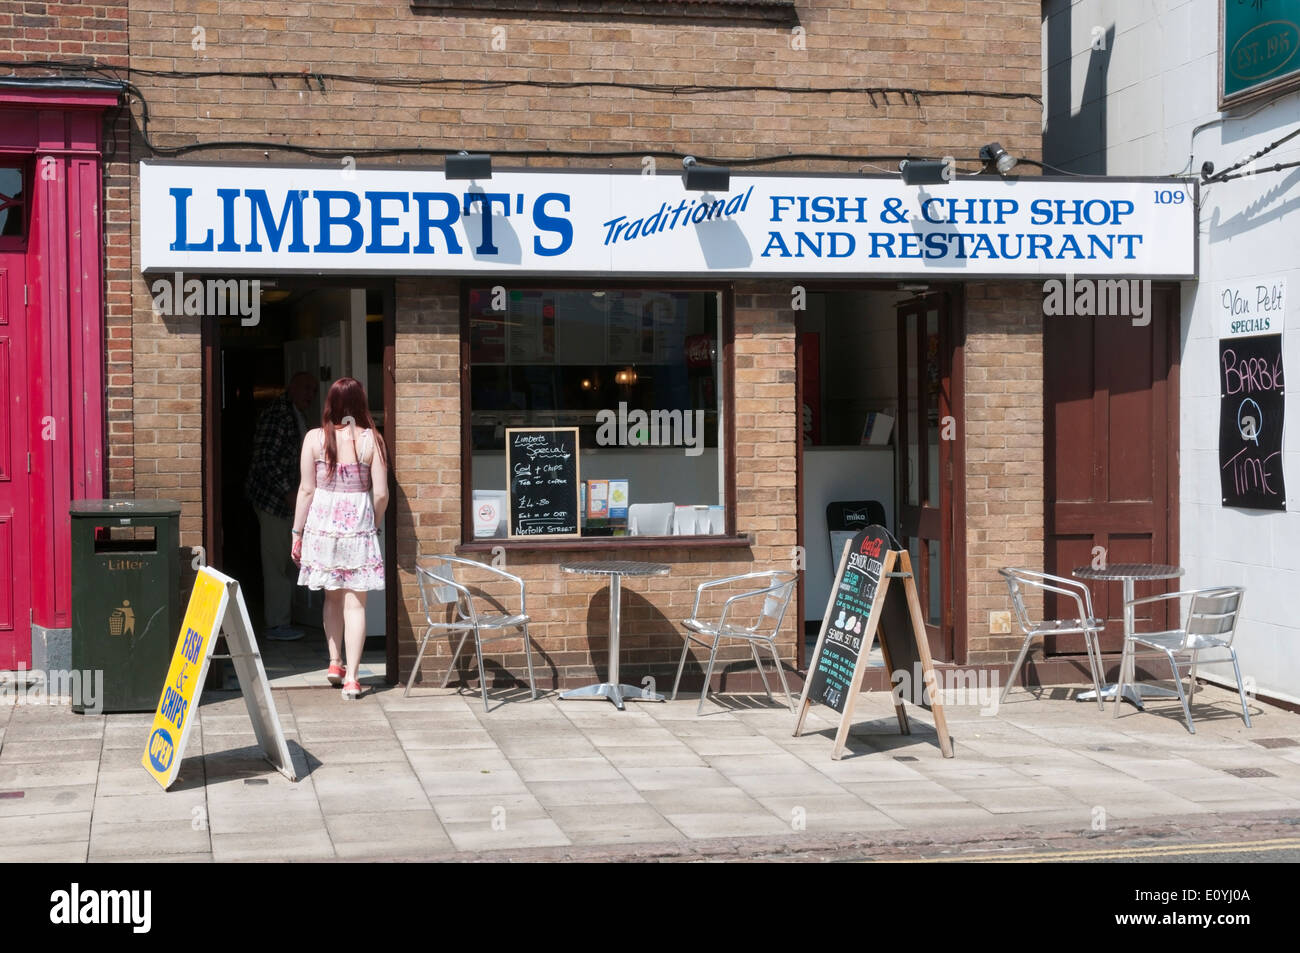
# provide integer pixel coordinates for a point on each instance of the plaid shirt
(277, 443)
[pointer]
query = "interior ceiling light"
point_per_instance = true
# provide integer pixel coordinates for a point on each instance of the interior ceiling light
(994, 154)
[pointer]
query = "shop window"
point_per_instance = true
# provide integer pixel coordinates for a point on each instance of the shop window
(638, 372)
(13, 218)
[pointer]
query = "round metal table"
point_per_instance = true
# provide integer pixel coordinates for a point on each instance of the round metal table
(1129, 574)
(615, 569)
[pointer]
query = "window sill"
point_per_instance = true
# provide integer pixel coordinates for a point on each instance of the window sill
(772, 11)
(607, 543)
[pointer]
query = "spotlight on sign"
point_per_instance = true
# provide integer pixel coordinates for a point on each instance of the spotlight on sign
(923, 172)
(705, 178)
(993, 154)
(463, 165)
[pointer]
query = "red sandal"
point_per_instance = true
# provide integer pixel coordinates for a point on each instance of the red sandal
(335, 675)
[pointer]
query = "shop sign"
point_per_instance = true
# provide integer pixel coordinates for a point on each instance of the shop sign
(1251, 306)
(239, 219)
(1259, 48)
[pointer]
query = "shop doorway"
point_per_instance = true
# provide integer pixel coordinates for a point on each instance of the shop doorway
(875, 381)
(1111, 432)
(303, 328)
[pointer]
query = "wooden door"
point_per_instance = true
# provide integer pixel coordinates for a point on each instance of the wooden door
(1111, 444)
(926, 430)
(15, 577)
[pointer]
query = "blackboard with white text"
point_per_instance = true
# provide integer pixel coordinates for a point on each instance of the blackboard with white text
(543, 475)
(1251, 404)
(847, 633)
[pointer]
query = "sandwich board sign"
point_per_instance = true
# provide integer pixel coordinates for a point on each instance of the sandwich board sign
(216, 605)
(874, 594)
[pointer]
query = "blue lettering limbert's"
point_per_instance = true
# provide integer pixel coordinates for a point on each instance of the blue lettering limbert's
(340, 214)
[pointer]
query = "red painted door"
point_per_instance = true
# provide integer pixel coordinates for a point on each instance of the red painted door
(1112, 443)
(926, 409)
(15, 578)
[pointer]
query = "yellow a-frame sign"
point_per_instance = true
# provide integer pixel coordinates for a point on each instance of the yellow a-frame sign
(216, 605)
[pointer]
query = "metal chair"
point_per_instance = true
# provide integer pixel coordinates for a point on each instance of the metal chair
(1212, 616)
(1085, 623)
(438, 586)
(775, 596)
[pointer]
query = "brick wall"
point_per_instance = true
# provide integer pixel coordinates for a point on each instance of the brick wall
(64, 30)
(934, 45)
(1004, 454)
(937, 45)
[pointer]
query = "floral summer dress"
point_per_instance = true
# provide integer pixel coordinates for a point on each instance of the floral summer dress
(340, 545)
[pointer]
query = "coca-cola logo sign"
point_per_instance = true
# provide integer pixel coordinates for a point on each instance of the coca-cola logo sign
(699, 350)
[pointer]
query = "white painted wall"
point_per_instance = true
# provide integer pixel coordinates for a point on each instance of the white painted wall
(1158, 85)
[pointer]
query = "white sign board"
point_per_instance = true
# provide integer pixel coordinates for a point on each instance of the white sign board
(269, 220)
(1250, 306)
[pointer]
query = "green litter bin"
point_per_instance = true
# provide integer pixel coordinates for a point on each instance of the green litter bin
(125, 597)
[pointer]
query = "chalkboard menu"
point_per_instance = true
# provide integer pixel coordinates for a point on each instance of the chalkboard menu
(846, 631)
(542, 470)
(874, 594)
(1251, 401)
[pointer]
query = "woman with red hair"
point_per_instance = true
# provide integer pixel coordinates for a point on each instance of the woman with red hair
(341, 500)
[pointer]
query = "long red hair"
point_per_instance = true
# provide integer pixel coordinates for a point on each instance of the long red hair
(346, 399)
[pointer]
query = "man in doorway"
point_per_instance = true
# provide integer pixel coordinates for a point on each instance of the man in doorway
(271, 488)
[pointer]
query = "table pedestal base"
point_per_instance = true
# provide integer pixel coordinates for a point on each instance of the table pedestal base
(615, 693)
(1132, 693)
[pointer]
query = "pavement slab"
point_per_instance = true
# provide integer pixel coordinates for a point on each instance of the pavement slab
(53, 799)
(21, 829)
(483, 809)
(62, 750)
(157, 838)
(273, 845)
(369, 833)
(844, 812)
(32, 774)
(631, 823)
(507, 833)
(158, 805)
(729, 824)
(41, 852)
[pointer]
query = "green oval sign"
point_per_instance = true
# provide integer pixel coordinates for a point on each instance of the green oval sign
(1264, 51)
